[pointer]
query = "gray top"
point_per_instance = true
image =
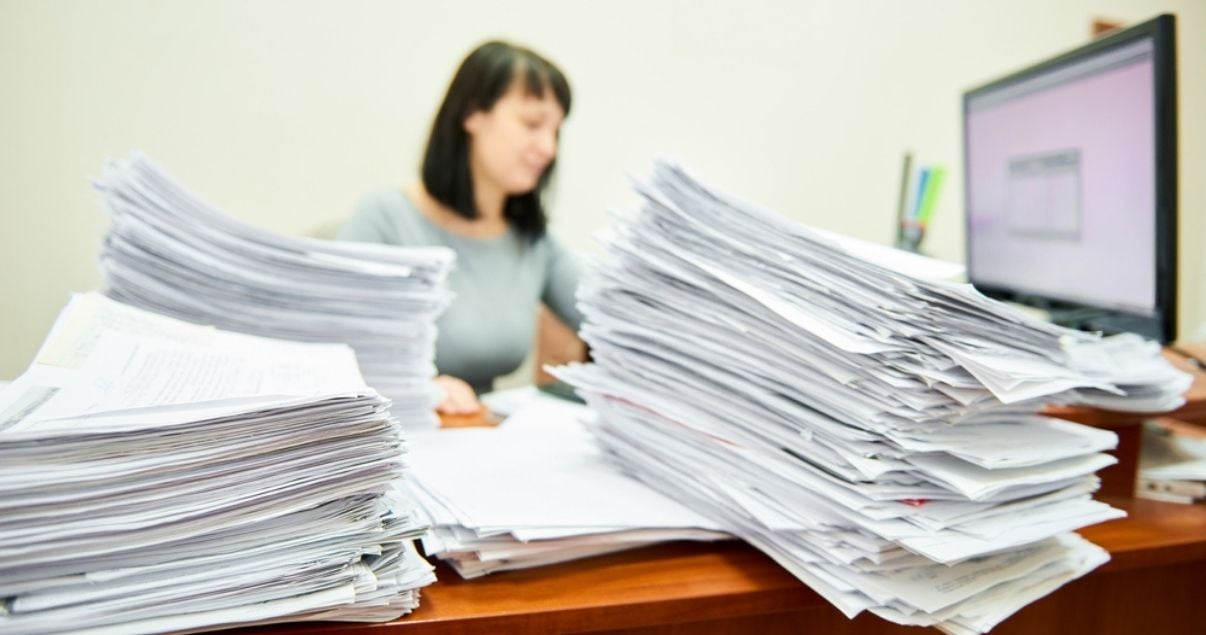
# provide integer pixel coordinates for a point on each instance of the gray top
(498, 284)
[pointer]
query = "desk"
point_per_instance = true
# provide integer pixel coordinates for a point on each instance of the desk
(1153, 584)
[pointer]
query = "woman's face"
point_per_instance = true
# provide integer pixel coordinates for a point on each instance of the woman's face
(513, 143)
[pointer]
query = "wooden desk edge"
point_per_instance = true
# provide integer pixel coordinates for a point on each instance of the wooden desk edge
(684, 583)
(1154, 535)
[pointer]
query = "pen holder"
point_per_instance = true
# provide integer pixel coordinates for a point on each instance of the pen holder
(909, 236)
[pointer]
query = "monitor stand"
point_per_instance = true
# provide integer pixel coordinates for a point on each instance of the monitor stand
(1083, 319)
(1107, 323)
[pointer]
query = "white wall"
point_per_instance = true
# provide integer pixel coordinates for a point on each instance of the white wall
(285, 112)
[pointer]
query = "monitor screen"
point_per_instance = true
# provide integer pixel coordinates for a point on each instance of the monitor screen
(1064, 190)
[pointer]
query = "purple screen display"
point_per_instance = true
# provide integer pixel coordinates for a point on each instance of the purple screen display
(1061, 183)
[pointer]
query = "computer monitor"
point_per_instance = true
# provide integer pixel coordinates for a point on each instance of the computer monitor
(1070, 184)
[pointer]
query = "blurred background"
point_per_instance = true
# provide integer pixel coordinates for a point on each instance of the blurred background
(284, 113)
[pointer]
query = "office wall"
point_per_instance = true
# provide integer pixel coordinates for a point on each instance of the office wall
(284, 112)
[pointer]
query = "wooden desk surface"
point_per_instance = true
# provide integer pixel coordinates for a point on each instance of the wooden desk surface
(1157, 572)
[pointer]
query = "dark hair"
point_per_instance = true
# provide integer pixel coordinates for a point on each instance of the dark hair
(481, 80)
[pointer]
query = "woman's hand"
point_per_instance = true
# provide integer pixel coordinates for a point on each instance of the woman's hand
(459, 398)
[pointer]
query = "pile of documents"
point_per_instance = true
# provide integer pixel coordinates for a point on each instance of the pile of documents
(169, 252)
(1172, 463)
(848, 410)
(161, 476)
(534, 491)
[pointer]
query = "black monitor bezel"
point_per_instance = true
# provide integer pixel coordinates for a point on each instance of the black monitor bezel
(1162, 325)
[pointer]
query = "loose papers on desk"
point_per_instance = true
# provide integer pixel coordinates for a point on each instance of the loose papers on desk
(534, 491)
(170, 252)
(1172, 462)
(848, 410)
(160, 476)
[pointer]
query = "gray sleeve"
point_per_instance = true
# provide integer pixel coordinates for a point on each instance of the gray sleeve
(369, 223)
(561, 283)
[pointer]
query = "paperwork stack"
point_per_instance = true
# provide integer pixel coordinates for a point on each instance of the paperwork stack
(170, 252)
(161, 476)
(1172, 463)
(844, 409)
(534, 491)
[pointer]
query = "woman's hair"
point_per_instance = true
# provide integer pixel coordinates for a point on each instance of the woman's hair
(483, 77)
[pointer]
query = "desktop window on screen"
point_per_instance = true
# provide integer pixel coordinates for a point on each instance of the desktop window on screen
(1061, 182)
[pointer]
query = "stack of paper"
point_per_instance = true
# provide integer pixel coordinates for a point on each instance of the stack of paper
(160, 476)
(1172, 463)
(170, 252)
(534, 491)
(841, 407)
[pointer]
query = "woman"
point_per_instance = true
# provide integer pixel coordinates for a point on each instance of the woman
(490, 155)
